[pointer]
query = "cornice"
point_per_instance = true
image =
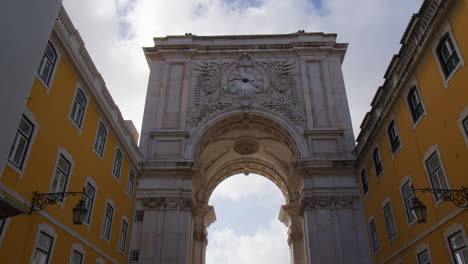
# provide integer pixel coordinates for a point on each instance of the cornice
(415, 41)
(74, 46)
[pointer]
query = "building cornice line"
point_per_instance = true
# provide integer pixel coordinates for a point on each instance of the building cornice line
(73, 44)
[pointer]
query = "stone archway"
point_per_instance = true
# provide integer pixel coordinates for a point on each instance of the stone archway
(273, 105)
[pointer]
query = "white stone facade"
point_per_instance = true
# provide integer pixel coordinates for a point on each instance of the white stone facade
(274, 105)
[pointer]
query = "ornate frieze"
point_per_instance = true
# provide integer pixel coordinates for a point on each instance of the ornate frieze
(167, 203)
(328, 202)
(245, 82)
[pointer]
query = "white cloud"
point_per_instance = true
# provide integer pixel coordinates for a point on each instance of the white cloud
(372, 27)
(267, 245)
(251, 187)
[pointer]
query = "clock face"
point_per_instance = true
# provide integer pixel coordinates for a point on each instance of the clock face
(245, 79)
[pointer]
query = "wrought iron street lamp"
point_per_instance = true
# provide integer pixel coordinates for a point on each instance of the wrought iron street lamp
(41, 200)
(458, 196)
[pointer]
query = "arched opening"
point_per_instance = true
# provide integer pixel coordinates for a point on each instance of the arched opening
(247, 229)
(247, 144)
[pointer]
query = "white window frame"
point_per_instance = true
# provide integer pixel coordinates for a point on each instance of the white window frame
(130, 256)
(463, 130)
(123, 220)
(377, 175)
(131, 190)
(4, 223)
(20, 169)
(117, 165)
(80, 250)
(137, 218)
(421, 249)
(434, 149)
(374, 249)
(50, 231)
(450, 231)
(48, 84)
(100, 155)
(103, 235)
(363, 170)
(413, 85)
(446, 29)
(392, 219)
(62, 152)
(404, 181)
(397, 134)
(74, 100)
(90, 181)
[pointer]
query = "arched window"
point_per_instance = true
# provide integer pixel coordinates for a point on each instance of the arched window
(78, 108)
(448, 56)
(100, 141)
(47, 63)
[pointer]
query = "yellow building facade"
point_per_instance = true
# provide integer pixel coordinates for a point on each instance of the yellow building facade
(71, 137)
(417, 135)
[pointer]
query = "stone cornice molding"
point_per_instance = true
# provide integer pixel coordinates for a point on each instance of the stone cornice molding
(165, 203)
(72, 43)
(415, 41)
(329, 202)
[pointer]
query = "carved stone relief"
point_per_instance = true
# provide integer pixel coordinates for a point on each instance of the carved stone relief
(167, 203)
(268, 85)
(328, 202)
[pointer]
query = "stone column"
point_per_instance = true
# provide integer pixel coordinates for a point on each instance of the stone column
(167, 231)
(292, 216)
(334, 230)
(203, 216)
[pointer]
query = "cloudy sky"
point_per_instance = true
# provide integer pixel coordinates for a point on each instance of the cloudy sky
(115, 31)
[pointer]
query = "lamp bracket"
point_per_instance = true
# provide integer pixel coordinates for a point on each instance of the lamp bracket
(41, 200)
(458, 196)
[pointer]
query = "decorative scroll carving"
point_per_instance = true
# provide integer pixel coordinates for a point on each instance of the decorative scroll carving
(328, 202)
(167, 203)
(272, 86)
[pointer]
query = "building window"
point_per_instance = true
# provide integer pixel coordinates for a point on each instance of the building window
(139, 216)
(377, 162)
(21, 142)
(436, 173)
(76, 258)
(123, 235)
(131, 183)
(448, 56)
(2, 225)
(365, 186)
(43, 249)
(47, 63)
(391, 231)
(424, 258)
(117, 164)
(374, 237)
(78, 108)
(62, 172)
(392, 132)
(106, 228)
(458, 248)
(415, 104)
(88, 198)
(134, 256)
(100, 141)
(465, 125)
(408, 197)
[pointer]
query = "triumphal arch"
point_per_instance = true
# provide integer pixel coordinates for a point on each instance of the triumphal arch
(273, 105)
